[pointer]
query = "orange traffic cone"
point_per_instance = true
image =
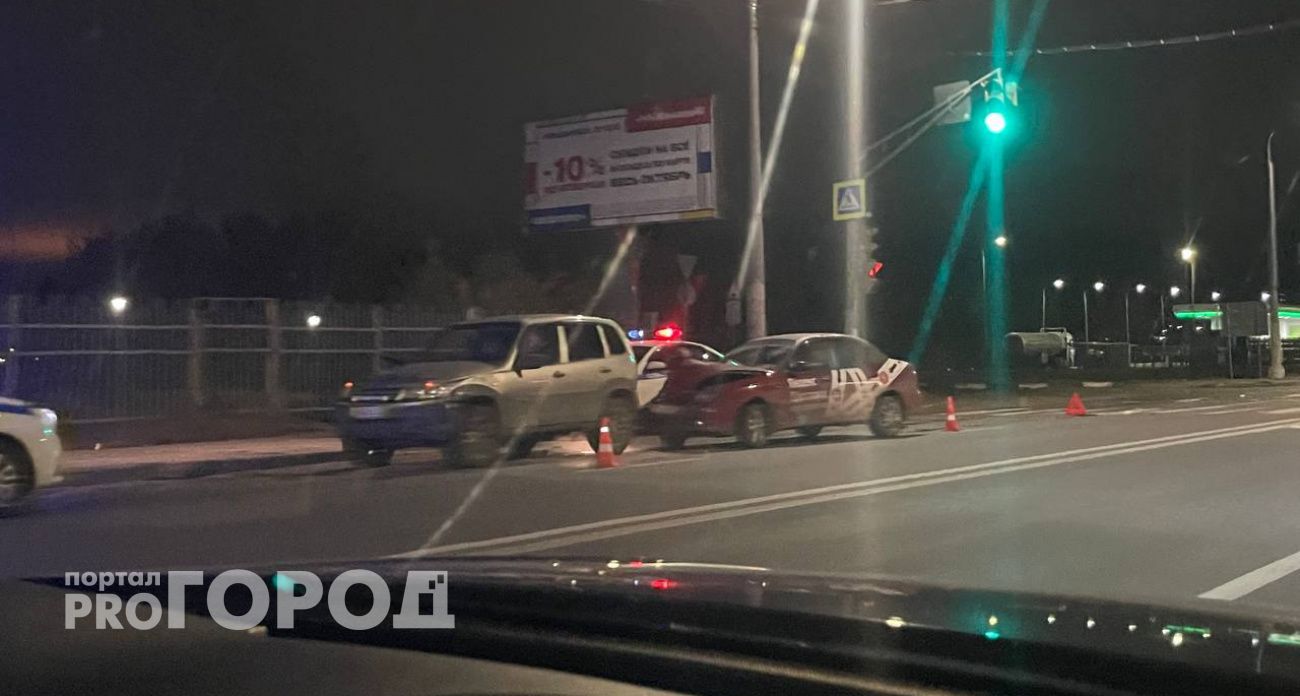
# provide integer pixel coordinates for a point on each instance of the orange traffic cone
(951, 424)
(1075, 407)
(605, 458)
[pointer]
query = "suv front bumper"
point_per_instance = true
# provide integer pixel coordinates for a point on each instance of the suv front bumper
(396, 425)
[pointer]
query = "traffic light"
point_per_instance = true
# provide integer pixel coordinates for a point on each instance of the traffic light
(998, 97)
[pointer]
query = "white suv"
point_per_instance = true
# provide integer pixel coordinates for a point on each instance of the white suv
(29, 450)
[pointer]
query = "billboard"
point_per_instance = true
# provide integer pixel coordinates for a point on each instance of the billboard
(650, 162)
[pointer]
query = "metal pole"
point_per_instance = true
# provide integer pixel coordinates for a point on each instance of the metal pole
(1085, 320)
(856, 233)
(1275, 368)
(756, 284)
(1128, 338)
(984, 301)
(1042, 322)
(1193, 283)
(1227, 329)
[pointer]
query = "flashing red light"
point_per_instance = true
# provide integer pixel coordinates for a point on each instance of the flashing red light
(668, 332)
(663, 584)
(635, 564)
(875, 269)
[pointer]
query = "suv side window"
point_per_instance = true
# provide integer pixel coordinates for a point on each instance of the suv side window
(540, 345)
(584, 342)
(614, 340)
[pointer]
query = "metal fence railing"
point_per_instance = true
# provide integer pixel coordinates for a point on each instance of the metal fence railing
(158, 358)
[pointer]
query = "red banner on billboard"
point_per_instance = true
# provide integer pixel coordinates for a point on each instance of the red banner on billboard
(669, 114)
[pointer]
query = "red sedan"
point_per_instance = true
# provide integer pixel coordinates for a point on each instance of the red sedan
(794, 381)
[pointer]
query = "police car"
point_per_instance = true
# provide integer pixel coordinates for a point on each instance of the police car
(656, 354)
(29, 450)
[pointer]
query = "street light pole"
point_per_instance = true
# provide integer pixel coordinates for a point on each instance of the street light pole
(756, 283)
(1275, 368)
(857, 234)
(1085, 319)
(1042, 322)
(1128, 338)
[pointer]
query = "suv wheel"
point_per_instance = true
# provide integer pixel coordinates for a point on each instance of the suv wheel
(752, 425)
(621, 412)
(367, 454)
(887, 416)
(477, 441)
(17, 478)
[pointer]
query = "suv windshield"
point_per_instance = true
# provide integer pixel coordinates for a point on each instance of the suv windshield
(485, 343)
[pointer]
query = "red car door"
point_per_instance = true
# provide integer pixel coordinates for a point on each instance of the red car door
(808, 379)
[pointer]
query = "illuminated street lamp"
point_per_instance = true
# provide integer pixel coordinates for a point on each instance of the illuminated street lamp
(313, 321)
(1264, 296)
(1188, 255)
(1058, 284)
(1175, 291)
(118, 304)
(1128, 338)
(1000, 241)
(1098, 287)
(1215, 295)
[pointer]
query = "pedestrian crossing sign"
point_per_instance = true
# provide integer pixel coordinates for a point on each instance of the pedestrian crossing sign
(849, 201)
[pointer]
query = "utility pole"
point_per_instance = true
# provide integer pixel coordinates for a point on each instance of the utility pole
(756, 283)
(1275, 368)
(857, 232)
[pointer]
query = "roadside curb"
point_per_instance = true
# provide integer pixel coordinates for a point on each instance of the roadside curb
(191, 470)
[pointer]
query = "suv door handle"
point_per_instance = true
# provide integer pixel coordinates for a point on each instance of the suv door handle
(605, 370)
(557, 373)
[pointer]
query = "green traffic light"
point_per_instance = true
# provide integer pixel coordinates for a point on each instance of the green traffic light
(995, 121)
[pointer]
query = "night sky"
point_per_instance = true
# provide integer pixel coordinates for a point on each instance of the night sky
(117, 112)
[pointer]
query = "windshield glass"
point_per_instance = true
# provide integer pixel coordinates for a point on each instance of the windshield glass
(486, 343)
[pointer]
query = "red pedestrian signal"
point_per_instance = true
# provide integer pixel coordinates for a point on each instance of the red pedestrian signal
(875, 269)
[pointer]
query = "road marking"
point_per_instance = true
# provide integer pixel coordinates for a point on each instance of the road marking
(1281, 411)
(1190, 400)
(1239, 410)
(1024, 412)
(603, 529)
(1014, 410)
(639, 465)
(1255, 579)
(1190, 409)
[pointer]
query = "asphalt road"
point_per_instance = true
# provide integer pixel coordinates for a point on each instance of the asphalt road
(1171, 501)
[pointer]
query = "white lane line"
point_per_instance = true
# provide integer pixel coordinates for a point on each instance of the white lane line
(1237, 410)
(1281, 411)
(1010, 411)
(1189, 409)
(1191, 400)
(639, 465)
(1025, 412)
(1255, 579)
(564, 536)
